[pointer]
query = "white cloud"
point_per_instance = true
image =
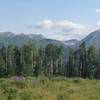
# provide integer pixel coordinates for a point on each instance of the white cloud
(98, 25)
(46, 24)
(63, 30)
(68, 25)
(98, 10)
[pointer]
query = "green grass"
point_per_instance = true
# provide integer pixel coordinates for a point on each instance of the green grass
(44, 89)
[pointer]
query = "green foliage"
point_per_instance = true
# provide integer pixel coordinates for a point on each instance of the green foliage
(30, 60)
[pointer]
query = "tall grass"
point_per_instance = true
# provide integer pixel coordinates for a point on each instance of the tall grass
(57, 88)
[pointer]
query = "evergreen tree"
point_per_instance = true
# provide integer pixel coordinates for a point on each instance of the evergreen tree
(82, 60)
(91, 61)
(70, 64)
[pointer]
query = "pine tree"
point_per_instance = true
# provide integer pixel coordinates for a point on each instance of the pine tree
(82, 59)
(91, 62)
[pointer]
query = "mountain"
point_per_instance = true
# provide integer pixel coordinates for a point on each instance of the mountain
(92, 39)
(45, 42)
(19, 39)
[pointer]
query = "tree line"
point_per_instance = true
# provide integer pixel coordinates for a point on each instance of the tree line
(30, 60)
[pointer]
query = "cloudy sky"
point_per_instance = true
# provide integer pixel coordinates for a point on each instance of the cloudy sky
(56, 19)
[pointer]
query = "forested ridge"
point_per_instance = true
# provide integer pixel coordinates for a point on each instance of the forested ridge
(31, 60)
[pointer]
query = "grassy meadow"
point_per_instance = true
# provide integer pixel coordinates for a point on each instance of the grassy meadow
(44, 89)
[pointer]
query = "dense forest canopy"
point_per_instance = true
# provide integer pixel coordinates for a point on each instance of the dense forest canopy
(31, 60)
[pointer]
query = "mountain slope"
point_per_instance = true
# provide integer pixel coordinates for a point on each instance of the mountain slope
(19, 39)
(93, 39)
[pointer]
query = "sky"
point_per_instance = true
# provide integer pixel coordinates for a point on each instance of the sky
(56, 19)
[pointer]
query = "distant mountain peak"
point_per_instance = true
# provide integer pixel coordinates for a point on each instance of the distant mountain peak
(71, 42)
(39, 36)
(7, 33)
